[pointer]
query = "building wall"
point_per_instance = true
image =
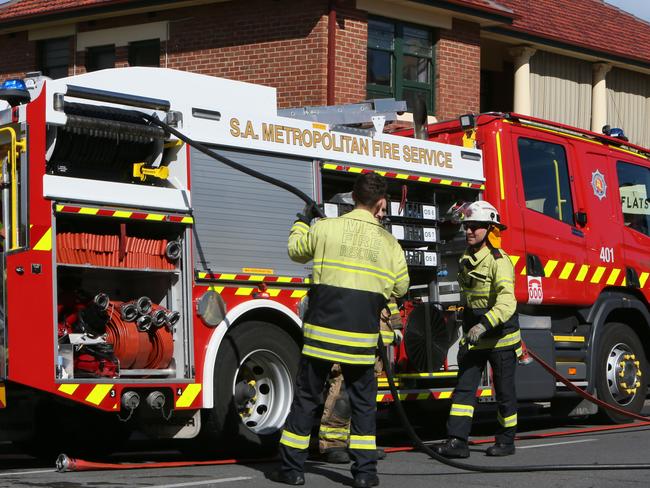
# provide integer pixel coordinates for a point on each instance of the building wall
(628, 104)
(561, 89)
(17, 55)
(458, 70)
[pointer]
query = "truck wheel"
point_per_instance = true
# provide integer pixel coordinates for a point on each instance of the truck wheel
(254, 383)
(621, 371)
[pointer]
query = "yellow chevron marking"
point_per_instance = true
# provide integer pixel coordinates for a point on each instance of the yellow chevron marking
(582, 273)
(88, 211)
(382, 173)
(423, 396)
(284, 279)
(227, 276)
(598, 274)
(188, 396)
(202, 275)
(560, 338)
(329, 166)
(486, 392)
(643, 278)
(523, 270)
(122, 214)
(445, 182)
(298, 293)
(624, 283)
(98, 393)
(356, 170)
(157, 217)
(187, 220)
(514, 260)
(613, 276)
(59, 208)
(549, 268)
(425, 179)
(218, 289)
(45, 242)
(566, 271)
(68, 388)
(244, 291)
(255, 278)
(3, 395)
(274, 292)
(445, 394)
(401, 176)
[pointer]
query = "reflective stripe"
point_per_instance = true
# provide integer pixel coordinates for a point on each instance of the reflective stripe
(336, 356)
(387, 337)
(510, 421)
(334, 433)
(493, 321)
(334, 336)
(505, 341)
(460, 410)
(300, 226)
(363, 442)
(353, 267)
(294, 440)
(401, 275)
(505, 280)
(393, 307)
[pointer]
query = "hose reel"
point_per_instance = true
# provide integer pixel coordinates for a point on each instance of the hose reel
(415, 338)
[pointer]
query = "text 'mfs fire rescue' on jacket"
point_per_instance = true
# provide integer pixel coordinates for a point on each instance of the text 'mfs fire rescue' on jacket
(358, 265)
(487, 282)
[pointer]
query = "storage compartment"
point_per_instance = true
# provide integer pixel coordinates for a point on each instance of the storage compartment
(532, 381)
(121, 305)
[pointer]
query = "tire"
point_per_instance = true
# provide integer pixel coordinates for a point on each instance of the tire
(254, 379)
(620, 351)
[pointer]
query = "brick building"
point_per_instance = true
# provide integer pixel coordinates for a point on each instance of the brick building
(582, 62)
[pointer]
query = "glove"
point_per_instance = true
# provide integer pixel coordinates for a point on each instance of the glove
(475, 334)
(309, 213)
(399, 337)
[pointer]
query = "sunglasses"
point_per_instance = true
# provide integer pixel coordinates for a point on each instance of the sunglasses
(475, 226)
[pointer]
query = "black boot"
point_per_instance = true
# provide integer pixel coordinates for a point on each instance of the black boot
(365, 480)
(288, 478)
(336, 456)
(501, 450)
(453, 448)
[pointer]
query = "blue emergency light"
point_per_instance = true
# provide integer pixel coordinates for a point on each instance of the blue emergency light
(14, 91)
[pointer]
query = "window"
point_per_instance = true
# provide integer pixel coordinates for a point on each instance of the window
(54, 57)
(634, 187)
(546, 179)
(100, 57)
(400, 62)
(144, 53)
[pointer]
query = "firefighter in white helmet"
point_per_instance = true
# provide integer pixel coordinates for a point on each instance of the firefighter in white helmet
(491, 331)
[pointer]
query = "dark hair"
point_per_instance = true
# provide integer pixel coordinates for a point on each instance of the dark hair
(369, 188)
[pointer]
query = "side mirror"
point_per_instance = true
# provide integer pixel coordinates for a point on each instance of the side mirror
(581, 218)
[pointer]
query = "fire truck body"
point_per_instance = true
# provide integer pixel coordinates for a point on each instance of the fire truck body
(576, 206)
(164, 292)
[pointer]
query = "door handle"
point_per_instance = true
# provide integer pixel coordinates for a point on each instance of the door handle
(534, 266)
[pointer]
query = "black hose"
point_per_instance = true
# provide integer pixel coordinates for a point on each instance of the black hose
(417, 442)
(239, 167)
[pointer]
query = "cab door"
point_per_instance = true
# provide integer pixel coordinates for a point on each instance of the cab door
(595, 182)
(633, 187)
(554, 243)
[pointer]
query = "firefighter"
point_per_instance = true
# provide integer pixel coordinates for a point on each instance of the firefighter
(334, 432)
(491, 332)
(357, 267)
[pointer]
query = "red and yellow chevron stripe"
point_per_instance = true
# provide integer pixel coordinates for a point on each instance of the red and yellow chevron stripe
(582, 273)
(124, 214)
(242, 291)
(411, 395)
(3, 395)
(404, 176)
(249, 277)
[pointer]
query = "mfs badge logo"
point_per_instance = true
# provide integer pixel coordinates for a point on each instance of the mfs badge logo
(599, 184)
(535, 290)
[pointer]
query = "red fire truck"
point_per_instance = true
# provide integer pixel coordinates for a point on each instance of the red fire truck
(147, 286)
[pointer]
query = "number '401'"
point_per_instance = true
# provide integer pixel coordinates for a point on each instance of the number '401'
(607, 254)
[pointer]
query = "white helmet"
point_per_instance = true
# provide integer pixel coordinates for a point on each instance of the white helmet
(480, 211)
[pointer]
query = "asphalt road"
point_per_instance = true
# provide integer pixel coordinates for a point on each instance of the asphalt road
(399, 469)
